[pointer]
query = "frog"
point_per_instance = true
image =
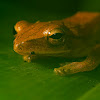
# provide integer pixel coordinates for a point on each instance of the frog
(72, 37)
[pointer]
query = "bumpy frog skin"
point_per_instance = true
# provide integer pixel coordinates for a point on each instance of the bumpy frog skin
(73, 37)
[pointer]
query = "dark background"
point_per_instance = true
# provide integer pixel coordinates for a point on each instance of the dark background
(36, 81)
(12, 11)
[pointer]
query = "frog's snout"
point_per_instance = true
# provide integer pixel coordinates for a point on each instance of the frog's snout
(19, 48)
(22, 49)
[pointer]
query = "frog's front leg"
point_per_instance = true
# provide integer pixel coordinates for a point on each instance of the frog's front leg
(76, 67)
(29, 58)
(90, 63)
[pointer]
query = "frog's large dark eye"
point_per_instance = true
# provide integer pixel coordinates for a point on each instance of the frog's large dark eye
(56, 36)
(14, 32)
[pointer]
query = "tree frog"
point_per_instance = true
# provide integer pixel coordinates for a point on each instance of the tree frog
(72, 37)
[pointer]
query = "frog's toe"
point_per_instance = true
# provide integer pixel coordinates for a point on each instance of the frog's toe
(60, 71)
(27, 58)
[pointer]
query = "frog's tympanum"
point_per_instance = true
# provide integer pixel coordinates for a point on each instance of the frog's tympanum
(73, 37)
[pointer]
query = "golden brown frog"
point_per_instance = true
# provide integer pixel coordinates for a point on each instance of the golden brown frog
(73, 37)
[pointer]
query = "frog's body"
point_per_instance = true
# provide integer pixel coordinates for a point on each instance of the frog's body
(72, 37)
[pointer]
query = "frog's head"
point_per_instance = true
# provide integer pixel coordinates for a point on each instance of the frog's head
(42, 38)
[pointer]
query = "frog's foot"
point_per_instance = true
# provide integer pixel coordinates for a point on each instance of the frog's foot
(75, 67)
(68, 69)
(28, 58)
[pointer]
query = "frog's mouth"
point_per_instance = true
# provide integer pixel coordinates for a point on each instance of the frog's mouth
(53, 54)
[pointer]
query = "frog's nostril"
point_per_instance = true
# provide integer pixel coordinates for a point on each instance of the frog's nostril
(32, 53)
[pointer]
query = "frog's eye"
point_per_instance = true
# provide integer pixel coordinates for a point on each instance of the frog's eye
(56, 34)
(56, 37)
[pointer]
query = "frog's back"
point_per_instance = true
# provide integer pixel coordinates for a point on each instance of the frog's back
(82, 18)
(84, 24)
